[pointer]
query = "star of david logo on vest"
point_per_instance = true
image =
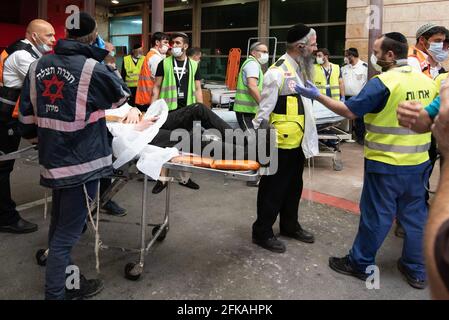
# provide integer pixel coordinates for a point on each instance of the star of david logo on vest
(50, 92)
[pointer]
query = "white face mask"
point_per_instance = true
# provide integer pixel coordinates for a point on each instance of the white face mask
(437, 52)
(177, 52)
(374, 63)
(43, 48)
(346, 60)
(163, 50)
(320, 60)
(264, 57)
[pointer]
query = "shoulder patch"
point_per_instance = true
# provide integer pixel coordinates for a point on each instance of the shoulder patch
(279, 63)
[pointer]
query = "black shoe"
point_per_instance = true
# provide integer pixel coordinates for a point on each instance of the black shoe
(300, 235)
(159, 187)
(272, 244)
(253, 184)
(399, 231)
(190, 184)
(412, 281)
(20, 227)
(113, 209)
(343, 266)
(88, 289)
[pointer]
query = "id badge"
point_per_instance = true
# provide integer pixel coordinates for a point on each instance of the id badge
(181, 94)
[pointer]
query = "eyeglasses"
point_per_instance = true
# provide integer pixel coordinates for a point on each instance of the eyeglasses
(263, 51)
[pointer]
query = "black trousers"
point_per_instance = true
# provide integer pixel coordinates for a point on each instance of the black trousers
(184, 118)
(245, 120)
(132, 97)
(9, 142)
(280, 194)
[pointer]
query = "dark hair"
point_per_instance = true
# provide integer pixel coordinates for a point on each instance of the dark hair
(325, 51)
(395, 42)
(353, 52)
(158, 36)
(436, 30)
(137, 46)
(193, 51)
(447, 36)
(182, 35)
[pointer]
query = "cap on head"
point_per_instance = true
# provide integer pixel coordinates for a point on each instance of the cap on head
(425, 28)
(87, 25)
(297, 32)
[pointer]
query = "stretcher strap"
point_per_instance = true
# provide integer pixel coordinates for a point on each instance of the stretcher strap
(95, 225)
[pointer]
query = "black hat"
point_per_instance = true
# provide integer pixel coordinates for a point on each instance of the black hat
(87, 25)
(297, 32)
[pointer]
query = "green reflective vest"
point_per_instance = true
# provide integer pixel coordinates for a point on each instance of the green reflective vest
(386, 141)
(334, 81)
(169, 89)
(244, 102)
(288, 115)
(132, 71)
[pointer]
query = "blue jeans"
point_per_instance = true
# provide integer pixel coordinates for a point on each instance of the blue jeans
(69, 214)
(384, 198)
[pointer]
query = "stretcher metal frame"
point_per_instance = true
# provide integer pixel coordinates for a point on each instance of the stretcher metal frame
(121, 177)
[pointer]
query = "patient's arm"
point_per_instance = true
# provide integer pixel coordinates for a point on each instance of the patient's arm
(145, 124)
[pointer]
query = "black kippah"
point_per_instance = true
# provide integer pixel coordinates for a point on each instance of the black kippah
(87, 25)
(297, 32)
(137, 46)
(396, 36)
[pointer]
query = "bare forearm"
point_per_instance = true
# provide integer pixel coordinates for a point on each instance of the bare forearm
(254, 92)
(337, 106)
(199, 94)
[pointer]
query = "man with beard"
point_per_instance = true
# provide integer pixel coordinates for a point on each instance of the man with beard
(396, 161)
(284, 109)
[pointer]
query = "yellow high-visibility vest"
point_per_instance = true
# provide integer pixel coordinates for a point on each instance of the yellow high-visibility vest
(386, 141)
(132, 71)
(334, 81)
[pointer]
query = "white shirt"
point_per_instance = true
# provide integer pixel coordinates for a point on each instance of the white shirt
(354, 77)
(272, 82)
(154, 61)
(17, 65)
(414, 63)
(251, 70)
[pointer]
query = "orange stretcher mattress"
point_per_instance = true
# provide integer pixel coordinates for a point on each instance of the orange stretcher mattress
(235, 165)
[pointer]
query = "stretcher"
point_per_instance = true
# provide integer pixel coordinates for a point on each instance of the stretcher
(178, 171)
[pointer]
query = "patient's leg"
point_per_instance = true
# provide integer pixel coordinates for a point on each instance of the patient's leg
(183, 119)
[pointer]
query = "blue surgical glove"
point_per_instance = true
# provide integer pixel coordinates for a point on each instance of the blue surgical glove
(309, 91)
(343, 99)
(99, 42)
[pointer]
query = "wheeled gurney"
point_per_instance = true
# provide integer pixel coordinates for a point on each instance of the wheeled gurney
(177, 172)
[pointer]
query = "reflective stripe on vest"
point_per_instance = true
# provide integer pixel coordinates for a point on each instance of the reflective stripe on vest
(132, 71)
(145, 84)
(386, 141)
(289, 125)
(169, 89)
(244, 102)
(334, 83)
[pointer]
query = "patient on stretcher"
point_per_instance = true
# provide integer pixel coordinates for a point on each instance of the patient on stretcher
(165, 124)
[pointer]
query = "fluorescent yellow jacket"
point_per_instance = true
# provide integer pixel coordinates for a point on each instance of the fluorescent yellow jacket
(334, 81)
(132, 71)
(386, 141)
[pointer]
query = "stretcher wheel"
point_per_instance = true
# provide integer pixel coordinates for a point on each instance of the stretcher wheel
(132, 272)
(163, 235)
(338, 165)
(41, 257)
